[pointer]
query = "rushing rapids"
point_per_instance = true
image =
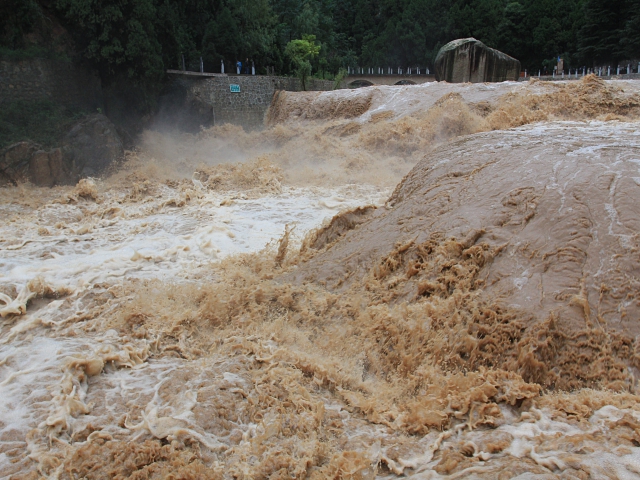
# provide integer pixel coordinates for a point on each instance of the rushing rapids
(266, 305)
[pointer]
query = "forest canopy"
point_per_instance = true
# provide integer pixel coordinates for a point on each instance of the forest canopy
(141, 39)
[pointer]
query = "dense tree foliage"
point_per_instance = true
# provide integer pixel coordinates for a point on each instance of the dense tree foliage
(302, 52)
(611, 30)
(140, 39)
(18, 18)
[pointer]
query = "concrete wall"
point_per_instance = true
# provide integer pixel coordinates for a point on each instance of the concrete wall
(246, 108)
(63, 82)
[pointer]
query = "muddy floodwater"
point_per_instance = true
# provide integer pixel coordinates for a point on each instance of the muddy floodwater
(438, 281)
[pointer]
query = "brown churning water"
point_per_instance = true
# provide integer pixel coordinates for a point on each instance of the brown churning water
(265, 305)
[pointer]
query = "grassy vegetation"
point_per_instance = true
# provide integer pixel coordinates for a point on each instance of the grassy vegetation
(41, 121)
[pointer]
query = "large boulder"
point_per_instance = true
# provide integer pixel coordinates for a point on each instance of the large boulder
(14, 162)
(28, 162)
(46, 169)
(91, 147)
(470, 60)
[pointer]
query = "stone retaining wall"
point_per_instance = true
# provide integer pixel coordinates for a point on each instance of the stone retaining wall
(247, 107)
(60, 81)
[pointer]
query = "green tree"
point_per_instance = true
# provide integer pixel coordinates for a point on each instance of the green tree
(603, 29)
(512, 31)
(631, 35)
(549, 28)
(239, 29)
(117, 36)
(135, 41)
(301, 52)
(219, 41)
(17, 19)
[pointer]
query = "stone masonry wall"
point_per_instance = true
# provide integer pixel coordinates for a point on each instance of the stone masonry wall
(247, 107)
(62, 82)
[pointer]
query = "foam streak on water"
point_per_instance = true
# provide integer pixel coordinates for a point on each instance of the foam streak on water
(162, 241)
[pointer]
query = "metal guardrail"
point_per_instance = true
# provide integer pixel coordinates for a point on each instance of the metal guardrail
(559, 78)
(388, 71)
(197, 74)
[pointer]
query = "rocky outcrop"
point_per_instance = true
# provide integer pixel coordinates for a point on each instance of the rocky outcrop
(14, 162)
(46, 168)
(469, 60)
(28, 162)
(89, 148)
